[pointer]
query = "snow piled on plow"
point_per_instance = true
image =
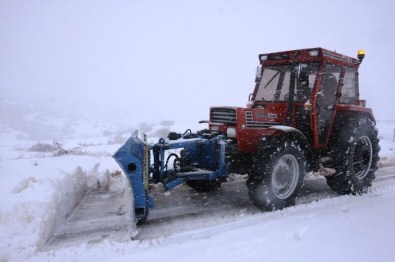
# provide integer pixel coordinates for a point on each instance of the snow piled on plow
(39, 194)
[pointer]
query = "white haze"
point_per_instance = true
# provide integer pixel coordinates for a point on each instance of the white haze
(133, 61)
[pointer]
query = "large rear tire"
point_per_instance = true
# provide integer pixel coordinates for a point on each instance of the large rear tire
(279, 176)
(355, 156)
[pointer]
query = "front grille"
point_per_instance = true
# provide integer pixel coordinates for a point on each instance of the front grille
(256, 124)
(223, 115)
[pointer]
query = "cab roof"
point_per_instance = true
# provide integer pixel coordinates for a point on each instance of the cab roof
(317, 54)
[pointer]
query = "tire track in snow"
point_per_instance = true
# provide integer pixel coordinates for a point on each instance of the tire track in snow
(184, 210)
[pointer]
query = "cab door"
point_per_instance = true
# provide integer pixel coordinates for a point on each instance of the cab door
(325, 103)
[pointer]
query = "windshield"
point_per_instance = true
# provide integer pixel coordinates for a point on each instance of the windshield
(276, 80)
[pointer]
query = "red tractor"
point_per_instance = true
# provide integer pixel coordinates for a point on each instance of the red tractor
(304, 115)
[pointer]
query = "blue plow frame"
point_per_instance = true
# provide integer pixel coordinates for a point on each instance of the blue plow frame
(207, 156)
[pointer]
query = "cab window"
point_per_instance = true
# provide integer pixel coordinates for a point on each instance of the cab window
(349, 91)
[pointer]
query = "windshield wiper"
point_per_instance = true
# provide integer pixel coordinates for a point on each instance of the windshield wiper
(271, 80)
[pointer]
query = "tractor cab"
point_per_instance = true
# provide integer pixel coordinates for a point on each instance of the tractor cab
(304, 89)
(293, 75)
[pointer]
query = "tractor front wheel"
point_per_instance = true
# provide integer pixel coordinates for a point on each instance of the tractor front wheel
(278, 178)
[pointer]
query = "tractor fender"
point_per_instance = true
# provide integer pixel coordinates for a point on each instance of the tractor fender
(286, 129)
(289, 132)
(283, 133)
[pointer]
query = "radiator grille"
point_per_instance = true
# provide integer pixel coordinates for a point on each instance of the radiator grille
(223, 115)
(256, 124)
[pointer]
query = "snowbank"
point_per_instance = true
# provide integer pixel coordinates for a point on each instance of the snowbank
(387, 142)
(40, 194)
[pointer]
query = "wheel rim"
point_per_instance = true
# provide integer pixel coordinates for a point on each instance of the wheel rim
(285, 176)
(362, 159)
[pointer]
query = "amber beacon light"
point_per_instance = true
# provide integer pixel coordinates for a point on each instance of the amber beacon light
(361, 54)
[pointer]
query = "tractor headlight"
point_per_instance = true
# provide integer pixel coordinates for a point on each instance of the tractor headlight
(313, 52)
(263, 58)
(214, 128)
(231, 132)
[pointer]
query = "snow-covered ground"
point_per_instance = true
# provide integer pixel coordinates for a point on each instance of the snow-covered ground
(77, 77)
(42, 181)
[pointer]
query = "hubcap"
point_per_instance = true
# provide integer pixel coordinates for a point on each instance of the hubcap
(285, 176)
(363, 155)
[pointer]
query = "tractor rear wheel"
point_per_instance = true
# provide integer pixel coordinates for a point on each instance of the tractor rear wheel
(278, 177)
(355, 156)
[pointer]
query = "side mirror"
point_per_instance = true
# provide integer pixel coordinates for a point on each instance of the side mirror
(303, 73)
(258, 74)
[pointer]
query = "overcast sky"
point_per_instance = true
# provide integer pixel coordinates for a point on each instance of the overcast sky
(172, 60)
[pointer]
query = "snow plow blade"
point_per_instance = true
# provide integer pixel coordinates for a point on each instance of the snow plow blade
(133, 158)
(194, 158)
